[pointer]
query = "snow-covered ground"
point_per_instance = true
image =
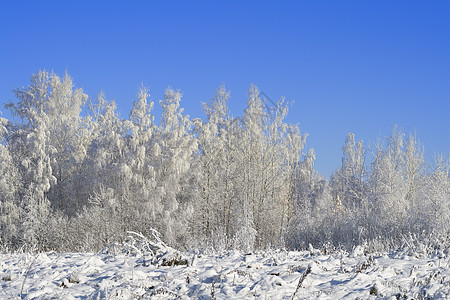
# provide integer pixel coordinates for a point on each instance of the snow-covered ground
(230, 275)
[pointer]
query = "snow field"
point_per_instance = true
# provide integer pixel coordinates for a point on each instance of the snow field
(230, 275)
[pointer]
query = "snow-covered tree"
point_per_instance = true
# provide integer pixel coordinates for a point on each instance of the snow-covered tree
(175, 148)
(312, 209)
(50, 111)
(66, 137)
(9, 183)
(218, 171)
(436, 196)
(396, 177)
(105, 166)
(139, 172)
(350, 180)
(33, 155)
(269, 152)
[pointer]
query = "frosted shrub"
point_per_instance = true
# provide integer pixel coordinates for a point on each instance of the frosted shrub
(150, 250)
(245, 239)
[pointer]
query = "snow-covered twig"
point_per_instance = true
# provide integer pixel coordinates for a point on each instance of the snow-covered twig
(300, 281)
(26, 275)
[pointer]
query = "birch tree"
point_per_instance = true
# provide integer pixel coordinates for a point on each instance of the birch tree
(30, 139)
(175, 149)
(395, 180)
(9, 184)
(217, 145)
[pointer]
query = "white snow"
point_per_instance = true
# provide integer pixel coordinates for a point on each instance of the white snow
(228, 275)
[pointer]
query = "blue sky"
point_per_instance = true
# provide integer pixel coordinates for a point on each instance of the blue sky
(350, 66)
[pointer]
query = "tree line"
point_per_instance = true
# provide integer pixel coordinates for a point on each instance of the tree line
(76, 177)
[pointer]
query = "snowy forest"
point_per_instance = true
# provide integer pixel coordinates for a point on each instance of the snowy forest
(76, 177)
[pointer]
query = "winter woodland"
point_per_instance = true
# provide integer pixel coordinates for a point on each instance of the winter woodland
(76, 177)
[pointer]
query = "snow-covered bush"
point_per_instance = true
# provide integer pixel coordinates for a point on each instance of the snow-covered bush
(150, 250)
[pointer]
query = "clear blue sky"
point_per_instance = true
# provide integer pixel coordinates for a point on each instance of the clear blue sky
(359, 66)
